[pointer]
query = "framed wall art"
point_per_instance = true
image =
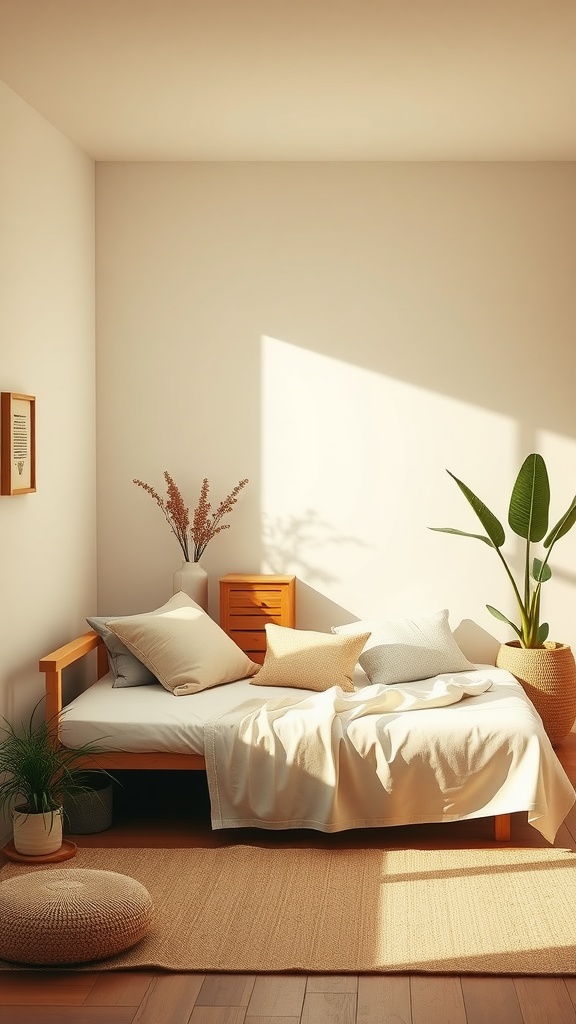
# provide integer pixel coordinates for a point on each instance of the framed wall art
(17, 443)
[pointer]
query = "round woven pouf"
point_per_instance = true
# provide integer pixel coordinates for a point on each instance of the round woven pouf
(71, 915)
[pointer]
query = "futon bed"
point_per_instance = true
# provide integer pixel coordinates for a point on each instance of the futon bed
(457, 746)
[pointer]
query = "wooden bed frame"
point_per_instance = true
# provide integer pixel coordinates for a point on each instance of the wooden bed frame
(53, 666)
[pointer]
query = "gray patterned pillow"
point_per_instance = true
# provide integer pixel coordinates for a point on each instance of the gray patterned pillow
(401, 650)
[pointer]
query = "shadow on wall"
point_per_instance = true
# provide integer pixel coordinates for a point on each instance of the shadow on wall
(477, 644)
(297, 541)
(316, 611)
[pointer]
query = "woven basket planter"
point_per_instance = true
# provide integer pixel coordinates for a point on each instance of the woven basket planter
(90, 811)
(548, 677)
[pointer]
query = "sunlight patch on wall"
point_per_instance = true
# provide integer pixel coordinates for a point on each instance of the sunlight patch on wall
(353, 473)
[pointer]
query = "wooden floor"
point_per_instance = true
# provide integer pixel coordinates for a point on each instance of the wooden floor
(175, 814)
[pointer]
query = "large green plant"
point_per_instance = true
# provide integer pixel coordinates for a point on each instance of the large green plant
(37, 771)
(528, 518)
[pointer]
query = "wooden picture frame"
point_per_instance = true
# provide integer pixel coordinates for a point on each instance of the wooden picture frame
(17, 443)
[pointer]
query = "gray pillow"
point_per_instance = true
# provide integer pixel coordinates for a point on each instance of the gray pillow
(402, 650)
(126, 669)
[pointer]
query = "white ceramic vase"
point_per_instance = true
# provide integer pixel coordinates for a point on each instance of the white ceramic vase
(193, 580)
(37, 834)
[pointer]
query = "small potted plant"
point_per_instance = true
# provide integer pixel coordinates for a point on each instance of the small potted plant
(545, 669)
(36, 774)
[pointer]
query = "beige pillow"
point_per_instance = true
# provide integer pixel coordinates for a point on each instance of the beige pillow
(309, 660)
(183, 647)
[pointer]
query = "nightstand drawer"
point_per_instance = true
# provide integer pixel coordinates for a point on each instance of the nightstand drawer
(256, 621)
(248, 602)
(253, 600)
(248, 641)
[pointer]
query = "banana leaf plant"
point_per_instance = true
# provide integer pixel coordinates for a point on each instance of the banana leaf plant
(528, 518)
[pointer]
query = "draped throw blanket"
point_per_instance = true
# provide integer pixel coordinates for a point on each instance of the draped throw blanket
(323, 760)
(453, 747)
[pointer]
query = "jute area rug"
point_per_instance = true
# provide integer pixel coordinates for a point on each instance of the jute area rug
(250, 909)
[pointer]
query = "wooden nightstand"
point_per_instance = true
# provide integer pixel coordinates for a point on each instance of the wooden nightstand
(248, 602)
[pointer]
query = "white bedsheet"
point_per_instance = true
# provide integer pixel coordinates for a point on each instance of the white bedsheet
(137, 719)
(487, 754)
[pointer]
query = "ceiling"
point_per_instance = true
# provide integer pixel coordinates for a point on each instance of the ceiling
(299, 79)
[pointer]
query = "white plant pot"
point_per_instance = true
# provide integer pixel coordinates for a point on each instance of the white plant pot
(36, 835)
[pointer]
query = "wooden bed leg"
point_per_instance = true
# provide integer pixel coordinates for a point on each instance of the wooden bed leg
(502, 828)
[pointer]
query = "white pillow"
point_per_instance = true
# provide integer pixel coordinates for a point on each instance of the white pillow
(401, 650)
(308, 660)
(183, 647)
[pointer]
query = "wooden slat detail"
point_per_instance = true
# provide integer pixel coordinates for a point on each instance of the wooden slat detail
(217, 1015)
(226, 990)
(120, 988)
(491, 1001)
(43, 987)
(170, 999)
(544, 1001)
(332, 983)
(272, 1020)
(251, 622)
(329, 1008)
(257, 580)
(571, 987)
(72, 1015)
(277, 996)
(254, 600)
(384, 1000)
(437, 999)
(248, 641)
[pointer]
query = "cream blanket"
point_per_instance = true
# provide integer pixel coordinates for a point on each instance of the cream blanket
(333, 760)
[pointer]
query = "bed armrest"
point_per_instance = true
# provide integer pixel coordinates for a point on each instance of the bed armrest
(54, 664)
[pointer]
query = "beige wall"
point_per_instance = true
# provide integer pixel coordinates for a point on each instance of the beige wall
(340, 334)
(47, 539)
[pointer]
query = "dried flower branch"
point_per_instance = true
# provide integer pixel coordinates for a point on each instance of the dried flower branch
(205, 523)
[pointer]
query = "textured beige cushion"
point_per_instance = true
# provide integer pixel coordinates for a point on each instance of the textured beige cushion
(71, 915)
(183, 647)
(127, 670)
(401, 650)
(309, 660)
